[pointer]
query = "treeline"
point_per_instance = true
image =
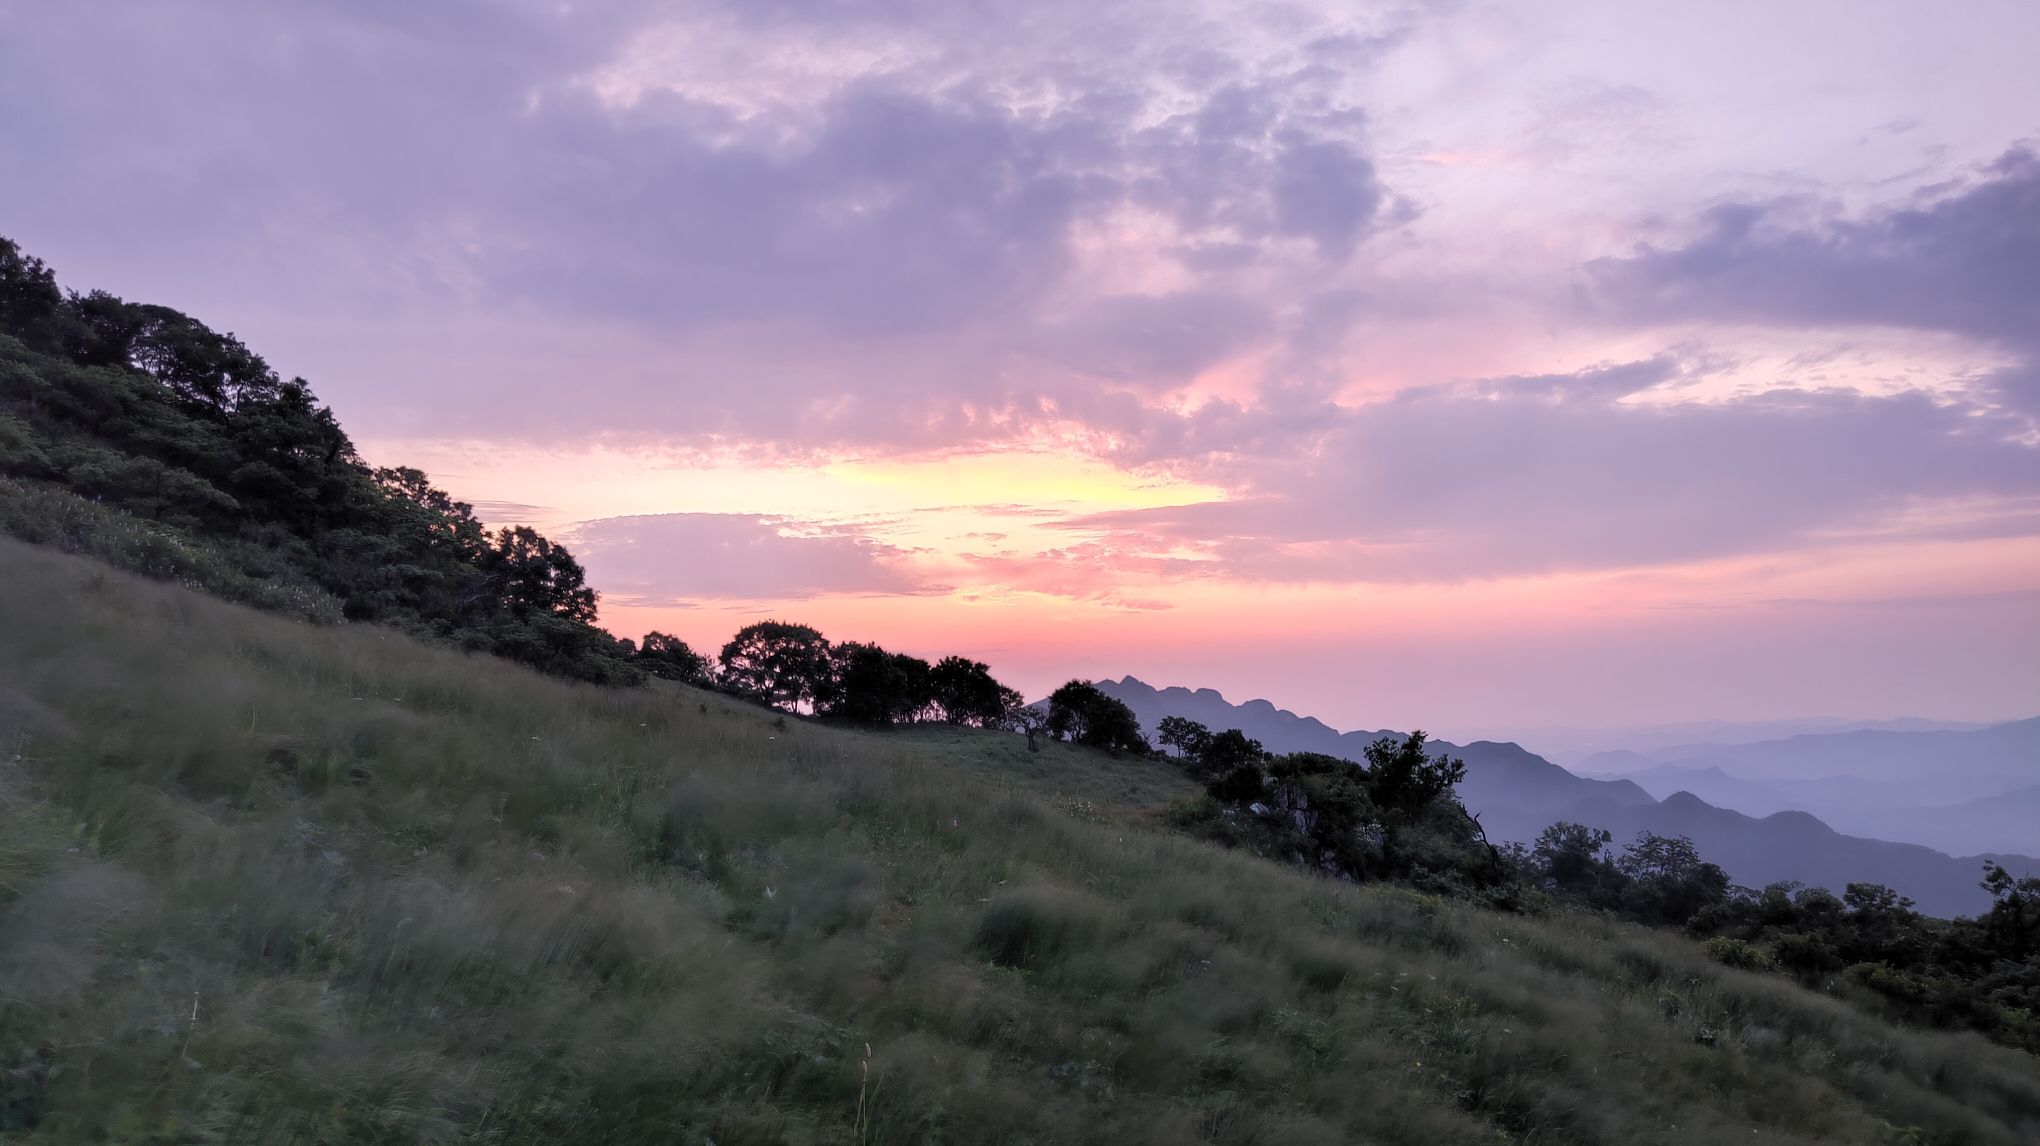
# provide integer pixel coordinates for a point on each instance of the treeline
(795, 668)
(139, 436)
(1981, 973)
(1398, 816)
(136, 434)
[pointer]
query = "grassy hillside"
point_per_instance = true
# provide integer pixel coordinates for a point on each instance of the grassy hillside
(261, 881)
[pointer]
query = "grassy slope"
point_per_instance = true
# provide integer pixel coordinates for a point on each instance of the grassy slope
(261, 881)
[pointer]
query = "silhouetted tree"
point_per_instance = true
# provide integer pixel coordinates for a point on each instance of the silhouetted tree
(1080, 712)
(2013, 922)
(670, 658)
(1402, 776)
(872, 686)
(30, 302)
(1232, 764)
(967, 694)
(1186, 736)
(784, 664)
(1572, 860)
(533, 575)
(1667, 881)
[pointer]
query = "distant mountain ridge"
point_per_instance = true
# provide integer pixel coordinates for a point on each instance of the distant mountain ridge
(1517, 794)
(1953, 790)
(1498, 773)
(1571, 746)
(2007, 753)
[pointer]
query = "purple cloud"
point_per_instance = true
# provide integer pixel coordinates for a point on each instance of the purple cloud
(707, 256)
(1534, 475)
(671, 559)
(1962, 258)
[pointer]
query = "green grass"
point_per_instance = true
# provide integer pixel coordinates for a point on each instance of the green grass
(262, 881)
(53, 516)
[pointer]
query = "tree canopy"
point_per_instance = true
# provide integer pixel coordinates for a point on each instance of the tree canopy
(140, 410)
(780, 662)
(966, 693)
(670, 658)
(1080, 712)
(1395, 817)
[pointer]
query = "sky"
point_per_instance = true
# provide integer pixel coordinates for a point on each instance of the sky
(1463, 365)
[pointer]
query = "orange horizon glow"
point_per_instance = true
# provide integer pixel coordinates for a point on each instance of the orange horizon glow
(948, 514)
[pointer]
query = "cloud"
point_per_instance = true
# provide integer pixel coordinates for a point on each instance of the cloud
(1962, 258)
(1155, 337)
(810, 223)
(510, 511)
(809, 226)
(680, 558)
(1525, 476)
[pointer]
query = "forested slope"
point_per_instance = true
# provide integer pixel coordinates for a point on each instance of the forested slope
(138, 435)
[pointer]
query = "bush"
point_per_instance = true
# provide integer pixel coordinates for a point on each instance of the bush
(1736, 953)
(1032, 928)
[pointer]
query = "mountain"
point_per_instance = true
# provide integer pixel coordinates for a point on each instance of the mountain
(1575, 746)
(2006, 822)
(1278, 729)
(1712, 785)
(1974, 763)
(1517, 794)
(1499, 774)
(1798, 846)
(1955, 790)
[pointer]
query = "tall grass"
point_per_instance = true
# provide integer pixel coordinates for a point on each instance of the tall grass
(56, 517)
(262, 881)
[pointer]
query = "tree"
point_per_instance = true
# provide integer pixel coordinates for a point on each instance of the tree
(966, 693)
(670, 658)
(431, 515)
(872, 686)
(532, 575)
(1573, 860)
(1187, 737)
(1232, 749)
(1232, 765)
(2013, 922)
(1402, 778)
(1324, 800)
(1080, 712)
(784, 664)
(29, 299)
(1668, 881)
(147, 411)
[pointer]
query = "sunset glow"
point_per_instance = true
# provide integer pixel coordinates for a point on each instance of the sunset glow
(1415, 364)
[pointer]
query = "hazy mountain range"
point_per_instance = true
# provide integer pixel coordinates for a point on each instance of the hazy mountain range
(1517, 793)
(1970, 790)
(1572, 745)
